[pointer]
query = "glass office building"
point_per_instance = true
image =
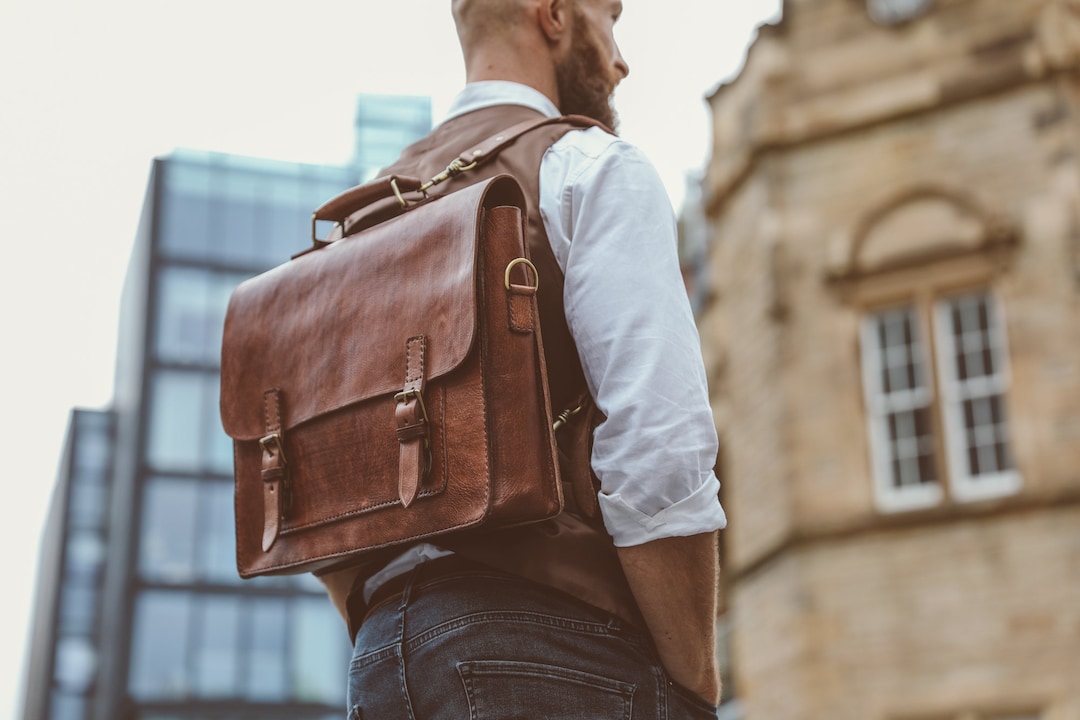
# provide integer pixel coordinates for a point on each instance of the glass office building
(155, 624)
(66, 637)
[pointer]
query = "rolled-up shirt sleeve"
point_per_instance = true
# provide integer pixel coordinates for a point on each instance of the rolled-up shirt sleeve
(614, 234)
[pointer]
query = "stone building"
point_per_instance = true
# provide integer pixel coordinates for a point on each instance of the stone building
(893, 340)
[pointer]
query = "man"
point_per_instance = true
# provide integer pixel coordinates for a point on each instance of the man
(565, 619)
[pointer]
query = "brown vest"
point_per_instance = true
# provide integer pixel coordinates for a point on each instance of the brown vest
(569, 552)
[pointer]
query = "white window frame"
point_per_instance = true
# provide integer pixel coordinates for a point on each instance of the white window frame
(891, 498)
(964, 486)
(943, 394)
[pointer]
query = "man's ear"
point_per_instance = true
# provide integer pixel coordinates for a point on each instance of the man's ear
(554, 16)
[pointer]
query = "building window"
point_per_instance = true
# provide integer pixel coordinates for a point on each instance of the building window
(220, 647)
(187, 536)
(185, 433)
(191, 315)
(920, 406)
(974, 379)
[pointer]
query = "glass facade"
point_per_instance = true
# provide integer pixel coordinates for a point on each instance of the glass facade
(200, 635)
(83, 503)
(141, 613)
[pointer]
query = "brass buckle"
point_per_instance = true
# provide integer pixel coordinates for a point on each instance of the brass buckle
(403, 397)
(521, 261)
(455, 168)
(273, 439)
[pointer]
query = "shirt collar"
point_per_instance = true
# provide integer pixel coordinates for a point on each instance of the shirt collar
(479, 95)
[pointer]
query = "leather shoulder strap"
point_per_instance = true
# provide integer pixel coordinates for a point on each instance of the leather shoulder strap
(485, 150)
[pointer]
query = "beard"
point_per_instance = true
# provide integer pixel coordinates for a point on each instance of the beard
(585, 82)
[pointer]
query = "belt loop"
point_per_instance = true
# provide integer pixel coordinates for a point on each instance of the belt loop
(406, 593)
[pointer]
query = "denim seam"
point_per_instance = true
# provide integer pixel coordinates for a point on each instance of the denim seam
(576, 626)
(374, 656)
(400, 644)
(475, 669)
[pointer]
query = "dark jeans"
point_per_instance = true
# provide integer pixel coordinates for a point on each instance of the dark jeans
(482, 645)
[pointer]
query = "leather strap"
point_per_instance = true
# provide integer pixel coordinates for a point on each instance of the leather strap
(519, 301)
(412, 423)
(341, 208)
(484, 150)
(274, 469)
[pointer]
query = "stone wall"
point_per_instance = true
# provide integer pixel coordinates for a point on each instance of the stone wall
(855, 166)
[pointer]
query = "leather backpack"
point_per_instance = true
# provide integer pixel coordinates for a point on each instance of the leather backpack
(390, 386)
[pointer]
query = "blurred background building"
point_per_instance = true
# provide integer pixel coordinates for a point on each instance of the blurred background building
(140, 612)
(893, 341)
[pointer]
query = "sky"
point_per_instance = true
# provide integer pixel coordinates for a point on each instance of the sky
(91, 92)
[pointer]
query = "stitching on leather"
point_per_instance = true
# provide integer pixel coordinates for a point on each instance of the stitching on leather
(413, 373)
(517, 304)
(272, 410)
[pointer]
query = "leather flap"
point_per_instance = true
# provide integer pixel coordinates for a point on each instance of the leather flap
(330, 328)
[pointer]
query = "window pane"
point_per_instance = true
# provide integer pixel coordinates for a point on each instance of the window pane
(216, 648)
(192, 304)
(76, 664)
(217, 446)
(911, 441)
(185, 223)
(971, 328)
(237, 216)
(78, 608)
(899, 350)
(986, 435)
(318, 651)
(85, 557)
(976, 384)
(167, 542)
(88, 503)
(899, 401)
(67, 707)
(94, 443)
(175, 420)
(265, 671)
(181, 328)
(185, 433)
(217, 538)
(286, 231)
(160, 646)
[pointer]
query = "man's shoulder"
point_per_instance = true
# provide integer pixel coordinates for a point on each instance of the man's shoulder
(590, 153)
(594, 142)
(582, 158)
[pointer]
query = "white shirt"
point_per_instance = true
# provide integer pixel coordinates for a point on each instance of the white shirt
(613, 232)
(611, 226)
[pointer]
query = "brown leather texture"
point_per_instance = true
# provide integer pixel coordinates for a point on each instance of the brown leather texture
(571, 552)
(408, 402)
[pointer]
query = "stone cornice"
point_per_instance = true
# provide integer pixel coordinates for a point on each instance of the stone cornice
(768, 107)
(875, 524)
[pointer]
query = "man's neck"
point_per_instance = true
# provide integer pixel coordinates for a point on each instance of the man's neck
(509, 67)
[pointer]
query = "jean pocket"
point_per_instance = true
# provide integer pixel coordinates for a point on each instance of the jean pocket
(500, 689)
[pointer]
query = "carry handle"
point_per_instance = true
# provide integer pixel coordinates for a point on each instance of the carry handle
(339, 208)
(342, 205)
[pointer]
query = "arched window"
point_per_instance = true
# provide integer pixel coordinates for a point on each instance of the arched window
(921, 270)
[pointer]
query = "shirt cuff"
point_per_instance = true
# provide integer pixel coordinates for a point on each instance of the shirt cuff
(698, 513)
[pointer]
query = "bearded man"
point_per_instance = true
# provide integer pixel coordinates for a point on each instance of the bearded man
(566, 618)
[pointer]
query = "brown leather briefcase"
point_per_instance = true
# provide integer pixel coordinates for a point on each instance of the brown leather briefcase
(390, 386)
